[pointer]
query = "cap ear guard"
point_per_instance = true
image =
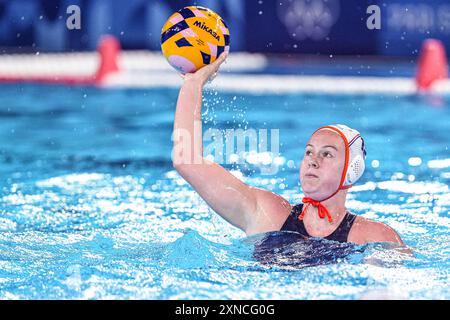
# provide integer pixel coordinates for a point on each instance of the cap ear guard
(356, 165)
(355, 170)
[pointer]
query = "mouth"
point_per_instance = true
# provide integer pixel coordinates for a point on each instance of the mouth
(311, 175)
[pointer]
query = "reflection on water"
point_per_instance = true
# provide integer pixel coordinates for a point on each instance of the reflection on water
(290, 249)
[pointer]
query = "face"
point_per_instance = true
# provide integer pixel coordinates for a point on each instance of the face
(322, 164)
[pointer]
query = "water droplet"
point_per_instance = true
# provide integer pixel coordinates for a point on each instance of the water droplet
(414, 161)
(375, 163)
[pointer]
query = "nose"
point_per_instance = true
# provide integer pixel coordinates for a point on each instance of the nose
(313, 163)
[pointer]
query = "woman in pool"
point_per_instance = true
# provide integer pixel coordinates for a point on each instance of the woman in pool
(333, 161)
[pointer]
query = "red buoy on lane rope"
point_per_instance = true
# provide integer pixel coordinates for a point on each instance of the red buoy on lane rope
(108, 49)
(432, 64)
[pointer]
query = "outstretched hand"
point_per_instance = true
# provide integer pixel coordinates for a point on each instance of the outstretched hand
(207, 73)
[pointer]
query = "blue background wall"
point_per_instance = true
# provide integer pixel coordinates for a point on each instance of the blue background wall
(281, 26)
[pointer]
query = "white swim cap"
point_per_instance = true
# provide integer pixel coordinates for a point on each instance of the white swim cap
(355, 154)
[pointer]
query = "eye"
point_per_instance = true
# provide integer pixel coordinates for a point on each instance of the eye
(308, 152)
(327, 154)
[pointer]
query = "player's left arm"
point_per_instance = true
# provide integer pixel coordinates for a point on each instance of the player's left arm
(365, 230)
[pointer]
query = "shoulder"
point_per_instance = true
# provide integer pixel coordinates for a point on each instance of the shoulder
(271, 212)
(365, 230)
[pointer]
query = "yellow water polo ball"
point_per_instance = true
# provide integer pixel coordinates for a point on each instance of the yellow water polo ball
(193, 38)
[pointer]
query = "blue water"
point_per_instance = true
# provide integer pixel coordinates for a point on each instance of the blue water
(90, 207)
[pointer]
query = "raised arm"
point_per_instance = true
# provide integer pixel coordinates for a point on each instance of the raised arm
(250, 209)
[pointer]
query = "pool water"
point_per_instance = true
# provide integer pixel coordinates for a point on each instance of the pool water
(91, 208)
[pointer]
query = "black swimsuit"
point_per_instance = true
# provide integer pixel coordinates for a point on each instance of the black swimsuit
(340, 234)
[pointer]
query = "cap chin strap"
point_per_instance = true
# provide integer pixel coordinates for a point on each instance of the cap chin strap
(321, 209)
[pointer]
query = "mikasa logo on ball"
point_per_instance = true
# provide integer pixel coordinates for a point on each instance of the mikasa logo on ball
(201, 25)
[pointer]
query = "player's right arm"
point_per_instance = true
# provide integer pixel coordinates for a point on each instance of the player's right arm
(251, 209)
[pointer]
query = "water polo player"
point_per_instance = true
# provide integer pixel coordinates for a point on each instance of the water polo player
(333, 161)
